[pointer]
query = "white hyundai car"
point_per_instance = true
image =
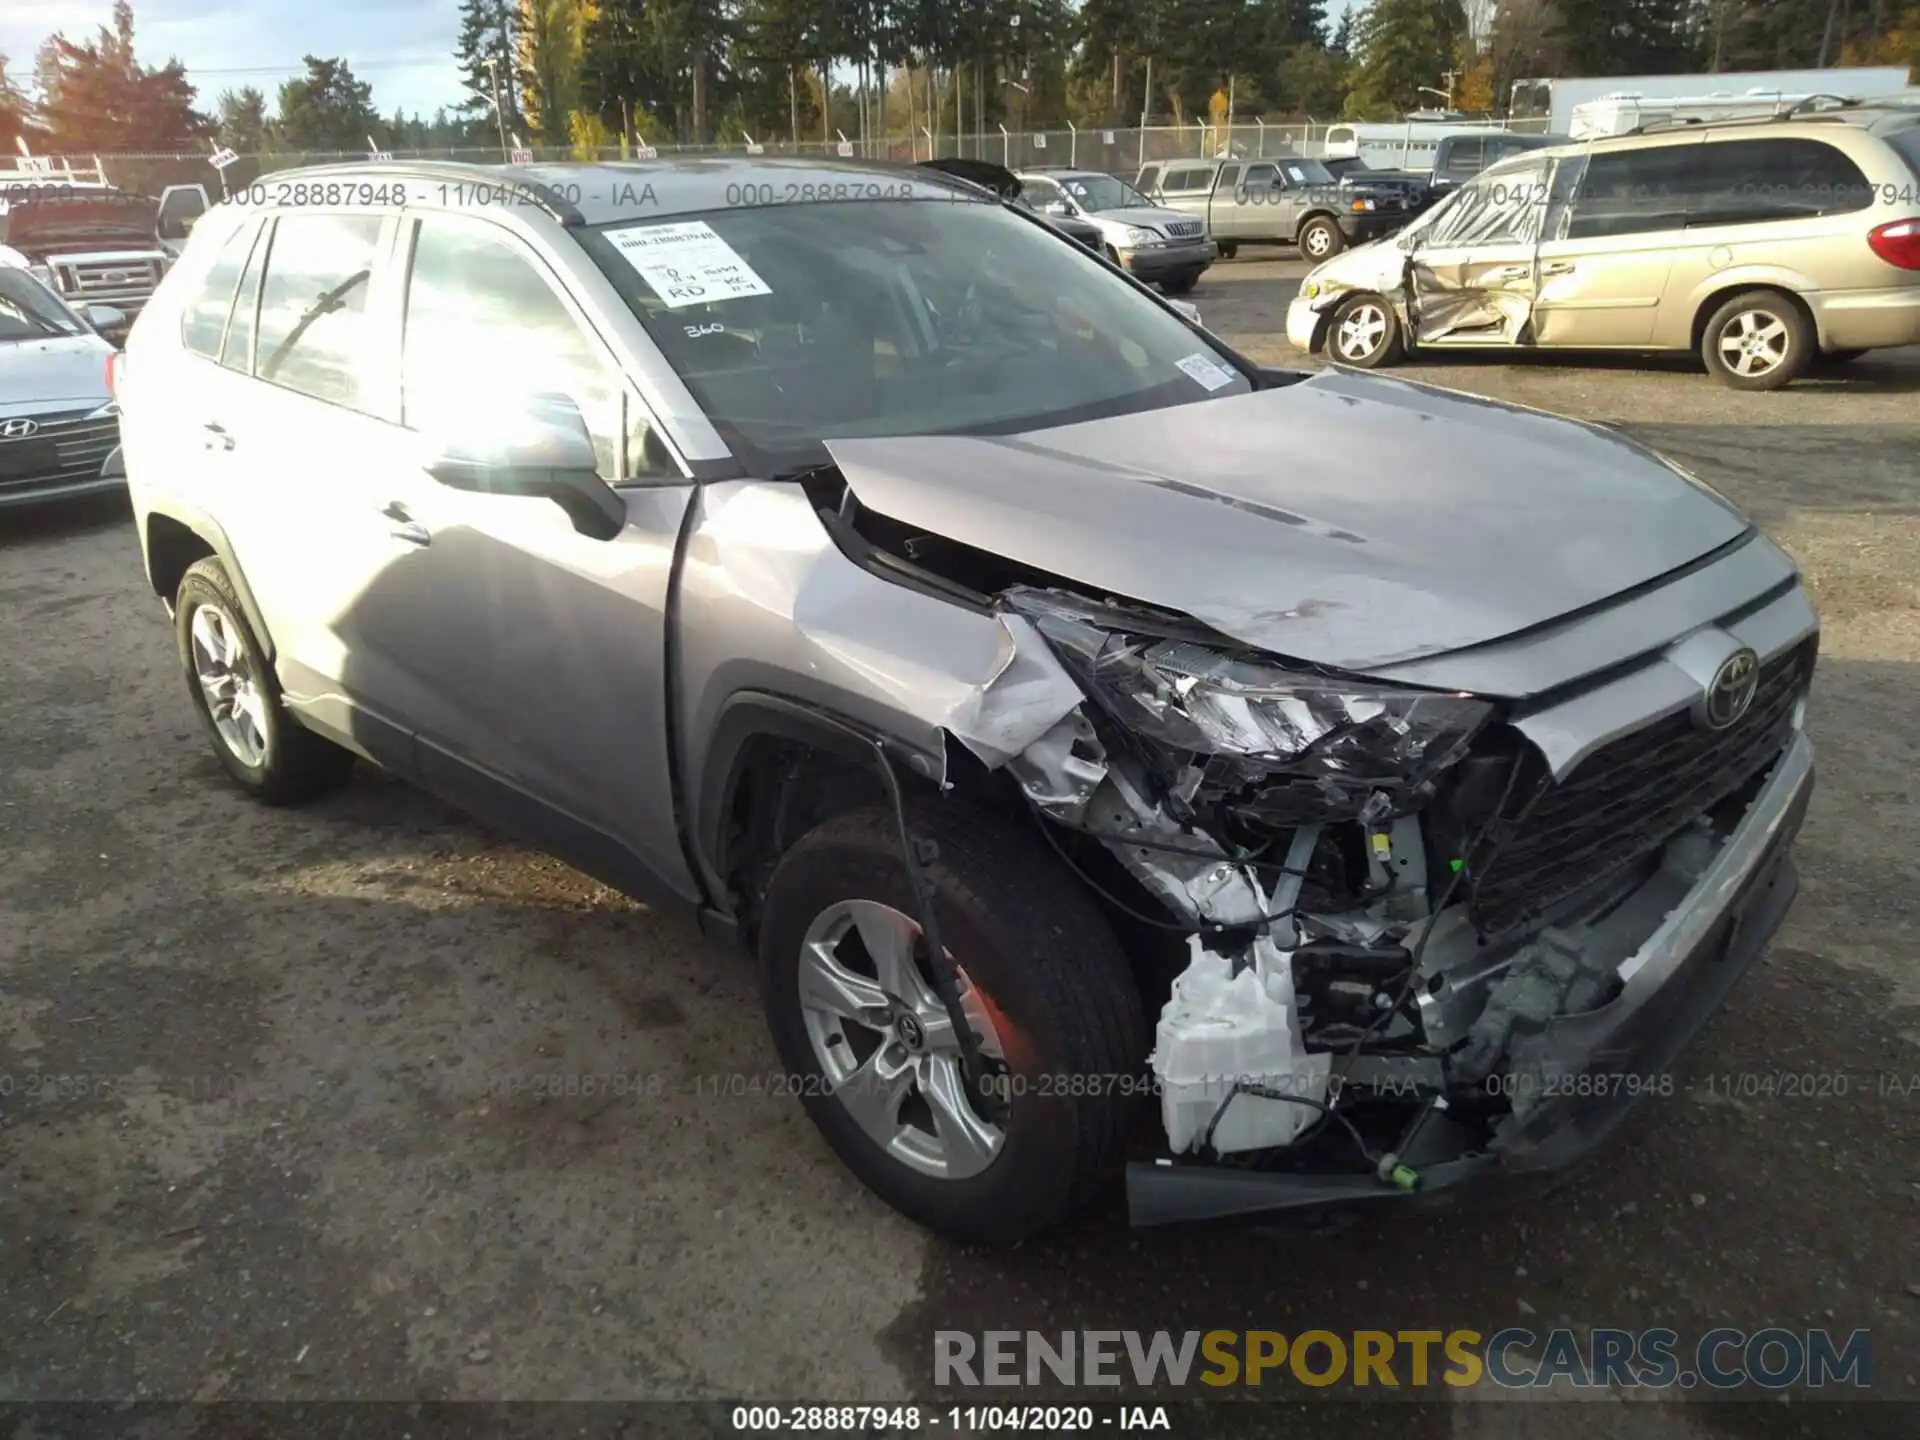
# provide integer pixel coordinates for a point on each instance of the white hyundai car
(59, 426)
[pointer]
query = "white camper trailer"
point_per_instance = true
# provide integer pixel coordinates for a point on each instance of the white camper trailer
(1548, 104)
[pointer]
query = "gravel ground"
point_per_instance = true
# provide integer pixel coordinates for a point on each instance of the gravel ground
(259, 1140)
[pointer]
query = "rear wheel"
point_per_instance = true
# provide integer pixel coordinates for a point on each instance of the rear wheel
(266, 751)
(1365, 333)
(1320, 238)
(878, 1064)
(1758, 341)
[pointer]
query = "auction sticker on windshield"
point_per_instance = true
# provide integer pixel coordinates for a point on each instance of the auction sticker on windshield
(687, 264)
(1208, 371)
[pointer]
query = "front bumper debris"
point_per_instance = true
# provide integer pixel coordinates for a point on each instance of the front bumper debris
(1675, 980)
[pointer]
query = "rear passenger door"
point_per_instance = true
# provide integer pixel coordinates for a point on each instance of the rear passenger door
(308, 440)
(1618, 219)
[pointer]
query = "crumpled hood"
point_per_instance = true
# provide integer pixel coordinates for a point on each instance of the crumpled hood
(69, 372)
(1347, 520)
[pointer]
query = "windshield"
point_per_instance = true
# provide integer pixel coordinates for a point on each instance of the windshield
(1096, 193)
(30, 311)
(792, 324)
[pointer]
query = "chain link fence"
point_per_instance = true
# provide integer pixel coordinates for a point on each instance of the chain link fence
(1119, 151)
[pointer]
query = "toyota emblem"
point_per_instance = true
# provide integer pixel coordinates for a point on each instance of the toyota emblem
(21, 429)
(1730, 691)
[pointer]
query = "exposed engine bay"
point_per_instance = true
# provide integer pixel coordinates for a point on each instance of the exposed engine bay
(1363, 989)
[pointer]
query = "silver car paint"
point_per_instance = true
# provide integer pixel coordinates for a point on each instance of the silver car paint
(68, 373)
(1395, 555)
(1456, 522)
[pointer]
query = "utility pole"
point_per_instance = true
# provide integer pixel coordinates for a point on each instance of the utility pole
(499, 112)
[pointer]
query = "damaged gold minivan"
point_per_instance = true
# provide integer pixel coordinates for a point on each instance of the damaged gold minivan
(1762, 246)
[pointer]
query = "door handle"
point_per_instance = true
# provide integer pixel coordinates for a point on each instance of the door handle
(1510, 272)
(404, 526)
(1562, 268)
(217, 436)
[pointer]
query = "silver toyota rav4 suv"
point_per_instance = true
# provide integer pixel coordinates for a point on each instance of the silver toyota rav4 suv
(1302, 787)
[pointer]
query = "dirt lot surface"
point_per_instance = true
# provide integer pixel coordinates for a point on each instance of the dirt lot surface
(259, 1137)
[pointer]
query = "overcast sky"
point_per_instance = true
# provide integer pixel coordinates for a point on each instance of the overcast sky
(403, 48)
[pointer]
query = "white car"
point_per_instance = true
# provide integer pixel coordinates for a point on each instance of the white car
(59, 426)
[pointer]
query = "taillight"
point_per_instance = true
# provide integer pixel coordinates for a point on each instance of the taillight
(1897, 242)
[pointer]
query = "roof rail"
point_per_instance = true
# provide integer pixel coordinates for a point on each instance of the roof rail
(1694, 122)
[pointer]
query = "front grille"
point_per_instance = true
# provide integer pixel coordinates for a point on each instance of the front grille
(1629, 798)
(1184, 229)
(108, 280)
(67, 449)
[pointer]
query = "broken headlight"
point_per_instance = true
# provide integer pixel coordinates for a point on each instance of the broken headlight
(1277, 747)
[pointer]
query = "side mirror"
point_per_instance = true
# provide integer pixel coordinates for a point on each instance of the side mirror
(103, 317)
(537, 447)
(1189, 312)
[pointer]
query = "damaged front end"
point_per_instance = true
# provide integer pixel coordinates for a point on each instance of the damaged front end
(1405, 968)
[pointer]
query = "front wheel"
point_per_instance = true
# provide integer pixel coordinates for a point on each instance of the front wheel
(1758, 341)
(237, 696)
(1320, 239)
(877, 1060)
(1365, 333)
(1180, 284)
(1228, 249)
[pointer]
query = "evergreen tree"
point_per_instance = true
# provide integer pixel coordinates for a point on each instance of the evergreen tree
(98, 97)
(241, 124)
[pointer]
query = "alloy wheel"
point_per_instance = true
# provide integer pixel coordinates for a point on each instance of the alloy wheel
(886, 1044)
(1754, 343)
(1362, 331)
(233, 695)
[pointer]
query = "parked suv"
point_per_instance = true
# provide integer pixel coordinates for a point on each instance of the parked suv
(1763, 247)
(1290, 201)
(834, 550)
(1461, 157)
(1156, 244)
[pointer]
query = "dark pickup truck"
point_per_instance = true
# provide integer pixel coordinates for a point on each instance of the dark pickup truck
(1287, 200)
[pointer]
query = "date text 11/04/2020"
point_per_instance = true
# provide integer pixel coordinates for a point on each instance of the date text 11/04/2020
(962, 1419)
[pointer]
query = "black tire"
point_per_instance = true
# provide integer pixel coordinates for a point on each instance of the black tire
(294, 764)
(1770, 314)
(1320, 239)
(1228, 249)
(1033, 942)
(1365, 311)
(1180, 284)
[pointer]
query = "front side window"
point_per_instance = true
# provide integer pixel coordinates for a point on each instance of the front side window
(484, 327)
(798, 323)
(30, 311)
(314, 329)
(1262, 177)
(1040, 193)
(204, 321)
(1504, 206)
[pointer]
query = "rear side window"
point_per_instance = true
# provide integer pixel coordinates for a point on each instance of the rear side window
(205, 318)
(1906, 144)
(237, 352)
(314, 323)
(1634, 192)
(1751, 182)
(1187, 181)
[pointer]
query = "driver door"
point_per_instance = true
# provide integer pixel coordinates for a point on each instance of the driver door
(1473, 272)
